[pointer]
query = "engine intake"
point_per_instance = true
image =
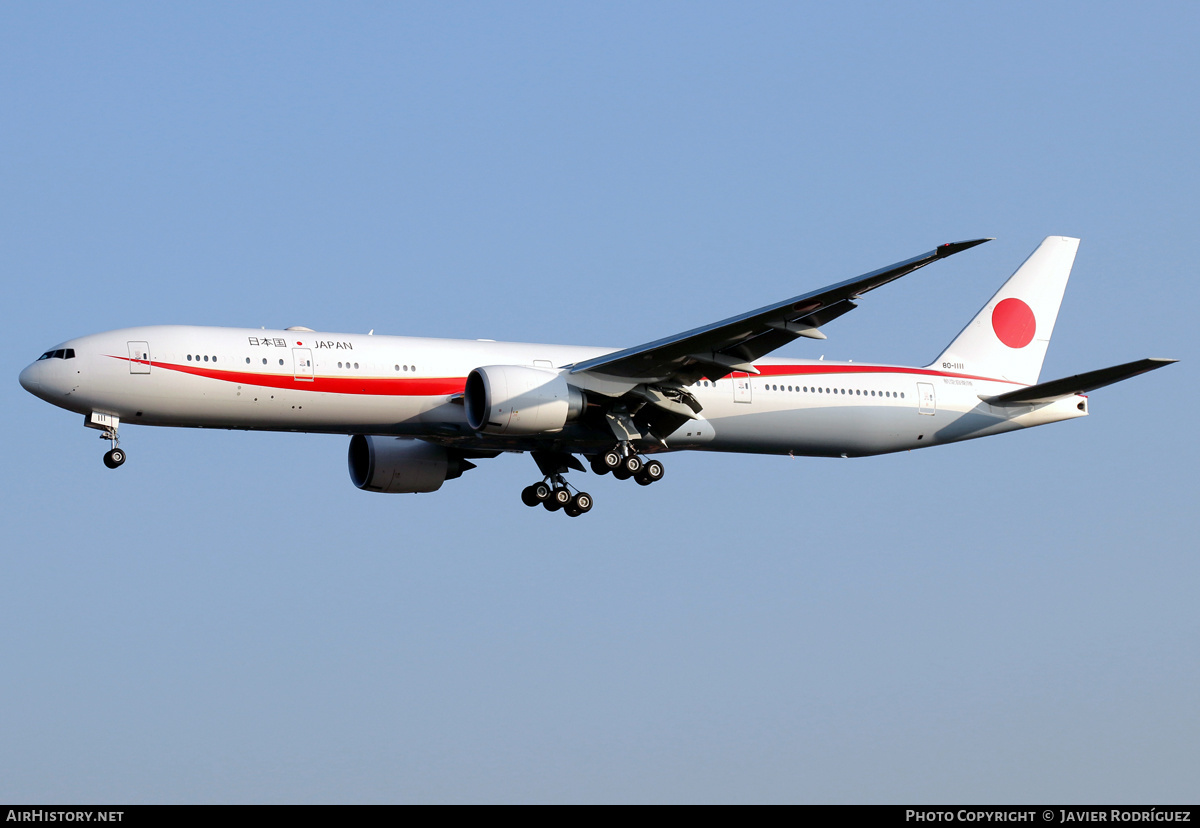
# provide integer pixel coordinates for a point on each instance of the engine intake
(516, 399)
(401, 465)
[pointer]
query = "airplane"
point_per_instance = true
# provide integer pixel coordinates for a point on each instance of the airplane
(419, 411)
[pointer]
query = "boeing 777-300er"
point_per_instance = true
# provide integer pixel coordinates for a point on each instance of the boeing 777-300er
(419, 411)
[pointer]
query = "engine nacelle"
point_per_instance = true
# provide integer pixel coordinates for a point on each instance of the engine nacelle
(400, 464)
(516, 399)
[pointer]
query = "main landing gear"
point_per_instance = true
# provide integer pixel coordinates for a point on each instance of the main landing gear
(626, 464)
(554, 493)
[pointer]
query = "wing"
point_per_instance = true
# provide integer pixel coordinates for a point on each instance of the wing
(734, 343)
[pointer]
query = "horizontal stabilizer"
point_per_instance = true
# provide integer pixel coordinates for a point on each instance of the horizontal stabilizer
(1046, 392)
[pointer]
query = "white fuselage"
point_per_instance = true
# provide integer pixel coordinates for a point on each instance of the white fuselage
(290, 380)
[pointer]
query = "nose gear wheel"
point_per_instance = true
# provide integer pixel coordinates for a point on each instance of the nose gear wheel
(107, 425)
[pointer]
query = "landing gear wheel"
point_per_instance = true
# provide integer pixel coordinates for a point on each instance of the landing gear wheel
(535, 494)
(653, 471)
(598, 465)
(633, 464)
(581, 503)
(611, 460)
(621, 474)
(572, 511)
(559, 498)
(114, 458)
(643, 479)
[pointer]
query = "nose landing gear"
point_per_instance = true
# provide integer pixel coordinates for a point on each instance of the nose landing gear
(107, 424)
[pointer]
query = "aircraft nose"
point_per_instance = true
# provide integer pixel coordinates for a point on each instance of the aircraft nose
(29, 378)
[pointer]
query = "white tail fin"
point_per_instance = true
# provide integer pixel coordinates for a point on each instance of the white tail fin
(1009, 337)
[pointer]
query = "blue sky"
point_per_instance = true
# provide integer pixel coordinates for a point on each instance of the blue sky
(227, 619)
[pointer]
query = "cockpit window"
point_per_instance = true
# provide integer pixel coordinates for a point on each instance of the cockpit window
(61, 353)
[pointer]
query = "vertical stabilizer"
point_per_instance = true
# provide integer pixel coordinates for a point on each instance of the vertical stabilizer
(1009, 337)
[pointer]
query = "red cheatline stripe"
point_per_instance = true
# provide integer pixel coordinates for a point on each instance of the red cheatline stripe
(445, 386)
(376, 386)
(785, 370)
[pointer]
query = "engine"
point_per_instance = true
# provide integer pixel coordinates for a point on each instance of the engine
(400, 464)
(515, 399)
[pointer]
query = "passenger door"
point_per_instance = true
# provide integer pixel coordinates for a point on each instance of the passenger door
(305, 369)
(139, 357)
(742, 390)
(927, 400)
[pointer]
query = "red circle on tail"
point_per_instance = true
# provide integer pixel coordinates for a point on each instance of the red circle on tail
(1013, 322)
